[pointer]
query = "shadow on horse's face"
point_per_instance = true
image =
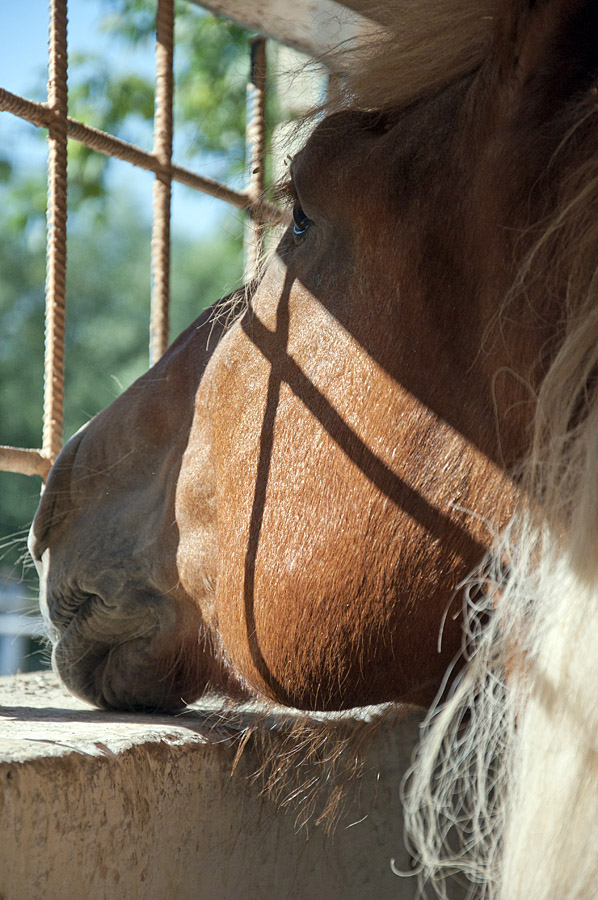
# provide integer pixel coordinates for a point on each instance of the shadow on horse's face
(289, 507)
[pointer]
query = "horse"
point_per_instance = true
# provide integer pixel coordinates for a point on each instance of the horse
(378, 483)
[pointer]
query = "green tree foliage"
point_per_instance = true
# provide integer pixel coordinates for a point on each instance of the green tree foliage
(211, 63)
(108, 285)
(211, 67)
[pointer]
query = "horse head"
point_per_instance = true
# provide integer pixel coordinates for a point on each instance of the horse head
(289, 506)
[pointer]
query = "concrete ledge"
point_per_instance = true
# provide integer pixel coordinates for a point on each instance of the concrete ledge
(101, 805)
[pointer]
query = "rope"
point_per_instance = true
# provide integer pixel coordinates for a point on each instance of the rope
(256, 153)
(163, 180)
(39, 114)
(23, 462)
(53, 115)
(36, 113)
(112, 146)
(56, 247)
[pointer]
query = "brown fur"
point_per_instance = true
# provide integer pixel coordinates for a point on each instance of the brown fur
(341, 459)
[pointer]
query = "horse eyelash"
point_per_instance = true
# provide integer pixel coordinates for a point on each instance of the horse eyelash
(285, 193)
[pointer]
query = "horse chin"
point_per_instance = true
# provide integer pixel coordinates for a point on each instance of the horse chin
(129, 661)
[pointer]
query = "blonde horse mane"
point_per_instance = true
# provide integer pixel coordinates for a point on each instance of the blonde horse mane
(426, 46)
(504, 785)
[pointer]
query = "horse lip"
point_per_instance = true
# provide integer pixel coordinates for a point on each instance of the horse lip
(106, 622)
(63, 612)
(78, 670)
(112, 667)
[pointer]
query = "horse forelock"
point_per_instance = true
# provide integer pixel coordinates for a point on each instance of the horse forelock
(424, 46)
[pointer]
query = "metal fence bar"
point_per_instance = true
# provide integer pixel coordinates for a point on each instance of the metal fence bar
(56, 248)
(256, 153)
(38, 114)
(23, 462)
(53, 115)
(163, 181)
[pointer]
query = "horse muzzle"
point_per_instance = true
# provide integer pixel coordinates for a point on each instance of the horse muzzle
(135, 650)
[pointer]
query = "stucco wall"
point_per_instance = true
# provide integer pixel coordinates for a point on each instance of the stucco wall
(96, 805)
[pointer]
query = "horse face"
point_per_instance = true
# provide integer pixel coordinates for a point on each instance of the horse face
(350, 430)
(271, 508)
(294, 510)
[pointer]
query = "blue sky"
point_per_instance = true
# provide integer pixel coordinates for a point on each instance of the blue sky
(23, 70)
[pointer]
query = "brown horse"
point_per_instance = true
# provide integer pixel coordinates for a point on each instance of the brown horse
(290, 506)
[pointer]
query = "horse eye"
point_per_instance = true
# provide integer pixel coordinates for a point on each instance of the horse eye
(301, 223)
